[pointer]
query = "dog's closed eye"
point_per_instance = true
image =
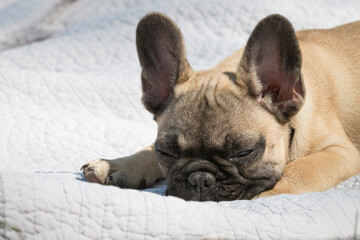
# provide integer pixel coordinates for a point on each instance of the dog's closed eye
(165, 153)
(244, 153)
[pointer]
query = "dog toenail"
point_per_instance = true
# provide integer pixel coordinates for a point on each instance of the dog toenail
(84, 166)
(109, 180)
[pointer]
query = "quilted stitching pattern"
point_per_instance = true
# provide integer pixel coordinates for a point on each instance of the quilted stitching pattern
(70, 92)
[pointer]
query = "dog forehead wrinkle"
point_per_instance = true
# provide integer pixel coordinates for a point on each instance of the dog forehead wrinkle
(203, 116)
(197, 132)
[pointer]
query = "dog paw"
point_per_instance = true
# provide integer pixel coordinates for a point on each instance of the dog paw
(96, 171)
(122, 172)
(134, 179)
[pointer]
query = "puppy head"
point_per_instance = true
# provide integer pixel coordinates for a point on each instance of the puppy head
(222, 135)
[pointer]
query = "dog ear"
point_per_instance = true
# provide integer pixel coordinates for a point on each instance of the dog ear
(271, 67)
(161, 52)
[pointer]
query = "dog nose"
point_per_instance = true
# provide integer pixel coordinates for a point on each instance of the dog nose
(201, 180)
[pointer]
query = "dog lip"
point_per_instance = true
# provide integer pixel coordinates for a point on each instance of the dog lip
(236, 186)
(199, 165)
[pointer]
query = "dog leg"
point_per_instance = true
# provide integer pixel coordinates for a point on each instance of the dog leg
(318, 171)
(137, 171)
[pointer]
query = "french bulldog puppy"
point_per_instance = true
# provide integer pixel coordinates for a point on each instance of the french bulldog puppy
(281, 115)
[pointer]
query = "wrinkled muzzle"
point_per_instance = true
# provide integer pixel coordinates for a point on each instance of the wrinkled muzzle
(202, 180)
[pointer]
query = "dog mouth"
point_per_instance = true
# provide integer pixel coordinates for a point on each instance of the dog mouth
(206, 182)
(202, 186)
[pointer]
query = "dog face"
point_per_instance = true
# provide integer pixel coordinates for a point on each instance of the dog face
(214, 141)
(222, 135)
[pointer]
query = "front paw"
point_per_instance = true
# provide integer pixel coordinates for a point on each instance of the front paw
(96, 171)
(125, 172)
(133, 174)
(287, 185)
(129, 179)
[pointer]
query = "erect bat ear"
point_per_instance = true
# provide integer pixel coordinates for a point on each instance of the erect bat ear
(271, 67)
(161, 52)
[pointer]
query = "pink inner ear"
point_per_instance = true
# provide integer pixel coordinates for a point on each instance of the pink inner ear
(272, 58)
(276, 80)
(281, 87)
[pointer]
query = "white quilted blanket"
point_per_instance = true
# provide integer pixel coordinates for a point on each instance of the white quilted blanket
(70, 92)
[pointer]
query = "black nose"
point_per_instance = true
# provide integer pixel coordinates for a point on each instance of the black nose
(201, 180)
